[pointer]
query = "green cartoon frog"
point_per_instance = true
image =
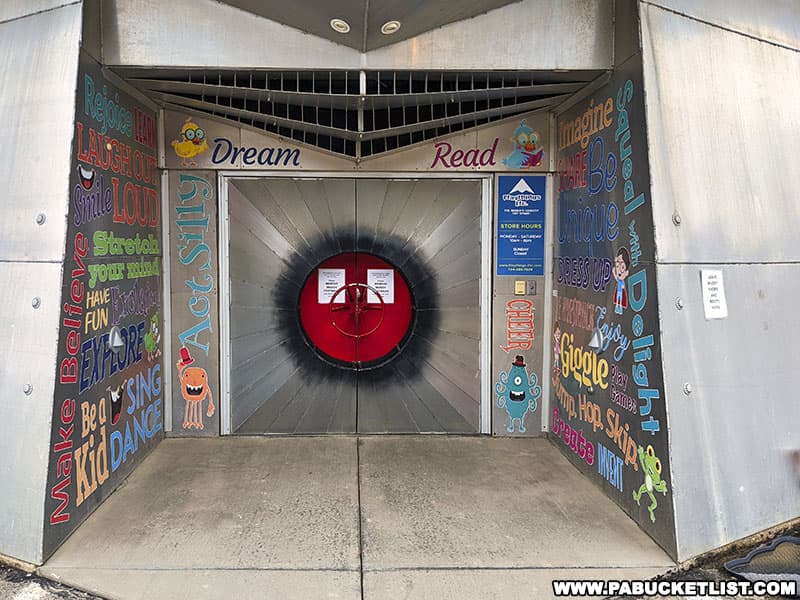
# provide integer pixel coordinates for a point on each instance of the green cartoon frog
(152, 339)
(652, 479)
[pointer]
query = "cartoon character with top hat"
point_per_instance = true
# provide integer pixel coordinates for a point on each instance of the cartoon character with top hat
(517, 392)
(194, 389)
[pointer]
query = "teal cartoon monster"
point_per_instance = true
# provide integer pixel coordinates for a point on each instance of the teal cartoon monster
(652, 479)
(517, 392)
(152, 338)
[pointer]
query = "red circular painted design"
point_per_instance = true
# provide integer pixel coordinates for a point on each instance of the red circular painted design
(355, 323)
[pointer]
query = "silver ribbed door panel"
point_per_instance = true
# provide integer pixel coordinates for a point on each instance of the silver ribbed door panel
(280, 230)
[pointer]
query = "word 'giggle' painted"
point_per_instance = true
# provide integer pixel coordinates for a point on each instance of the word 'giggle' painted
(582, 364)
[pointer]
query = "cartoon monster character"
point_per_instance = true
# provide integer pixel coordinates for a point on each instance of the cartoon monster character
(622, 265)
(194, 389)
(151, 339)
(517, 392)
(116, 401)
(524, 155)
(652, 479)
(191, 143)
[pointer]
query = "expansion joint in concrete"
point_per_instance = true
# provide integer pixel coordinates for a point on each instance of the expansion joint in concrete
(360, 518)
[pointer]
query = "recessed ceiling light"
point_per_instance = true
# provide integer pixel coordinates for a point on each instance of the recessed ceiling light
(390, 27)
(340, 25)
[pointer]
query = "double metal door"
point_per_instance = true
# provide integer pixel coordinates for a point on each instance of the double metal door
(355, 305)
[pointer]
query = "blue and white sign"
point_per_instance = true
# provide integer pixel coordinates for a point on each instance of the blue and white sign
(520, 225)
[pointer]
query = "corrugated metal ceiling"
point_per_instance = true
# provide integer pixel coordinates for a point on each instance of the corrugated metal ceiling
(358, 113)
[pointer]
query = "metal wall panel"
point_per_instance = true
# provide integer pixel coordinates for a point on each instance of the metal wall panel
(37, 99)
(14, 9)
(199, 33)
(626, 30)
(27, 358)
(545, 34)
(40, 65)
(92, 38)
(773, 20)
(539, 34)
(731, 435)
(722, 141)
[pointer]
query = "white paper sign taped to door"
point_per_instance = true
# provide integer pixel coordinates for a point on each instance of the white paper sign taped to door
(328, 281)
(383, 281)
(714, 304)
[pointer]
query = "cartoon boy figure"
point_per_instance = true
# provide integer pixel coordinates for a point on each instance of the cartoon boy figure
(557, 348)
(622, 265)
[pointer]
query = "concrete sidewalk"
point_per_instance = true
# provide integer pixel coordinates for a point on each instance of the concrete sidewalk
(340, 517)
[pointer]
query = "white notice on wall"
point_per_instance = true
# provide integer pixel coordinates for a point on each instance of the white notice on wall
(383, 281)
(714, 303)
(328, 281)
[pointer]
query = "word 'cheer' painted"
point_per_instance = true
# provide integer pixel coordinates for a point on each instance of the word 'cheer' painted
(519, 325)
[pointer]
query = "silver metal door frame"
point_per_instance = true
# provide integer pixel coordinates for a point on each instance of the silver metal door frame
(225, 283)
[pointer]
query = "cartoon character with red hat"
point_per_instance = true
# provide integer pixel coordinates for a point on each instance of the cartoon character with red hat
(517, 392)
(194, 389)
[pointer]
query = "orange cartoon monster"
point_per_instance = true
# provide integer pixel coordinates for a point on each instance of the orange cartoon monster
(194, 389)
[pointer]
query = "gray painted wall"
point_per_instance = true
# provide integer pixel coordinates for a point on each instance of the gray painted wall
(37, 107)
(194, 287)
(722, 126)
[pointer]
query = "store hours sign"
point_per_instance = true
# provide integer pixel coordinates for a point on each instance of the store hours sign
(520, 225)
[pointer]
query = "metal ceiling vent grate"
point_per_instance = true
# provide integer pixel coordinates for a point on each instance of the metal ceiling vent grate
(359, 113)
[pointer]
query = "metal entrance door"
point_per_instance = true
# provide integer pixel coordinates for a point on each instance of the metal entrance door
(355, 305)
